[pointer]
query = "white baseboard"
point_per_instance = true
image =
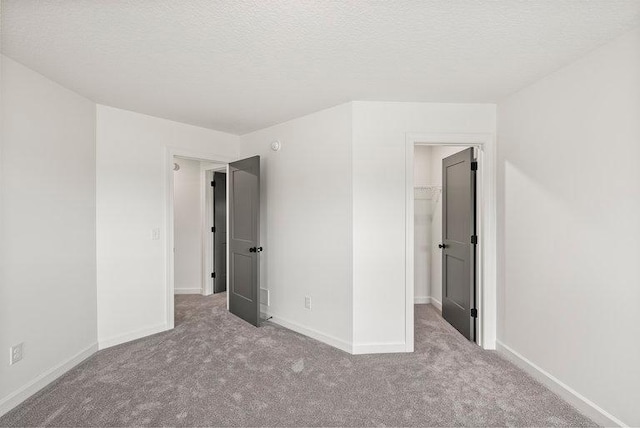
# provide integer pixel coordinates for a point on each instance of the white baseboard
(187, 290)
(421, 300)
(379, 348)
(437, 303)
(314, 334)
(425, 300)
(17, 397)
(583, 404)
(128, 337)
(365, 348)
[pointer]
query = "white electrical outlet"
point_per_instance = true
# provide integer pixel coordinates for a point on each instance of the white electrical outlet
(307, 302)
(155, 234)
(15, 353)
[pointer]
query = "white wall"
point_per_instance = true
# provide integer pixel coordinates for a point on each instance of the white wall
(422, 166)
(438, 153)
(306, 222)
(569, 242)
(131, 202)
(422, 225)
(379, 188)
(47, 247)
(187, 220)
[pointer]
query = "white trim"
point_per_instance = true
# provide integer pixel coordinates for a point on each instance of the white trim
(26, 391)
(577, 400)
(379, 348)
(132, 335)
(314, 334)
(427, 300)
(169, 153)
(191, 290)
(486, 303)
(437, 303)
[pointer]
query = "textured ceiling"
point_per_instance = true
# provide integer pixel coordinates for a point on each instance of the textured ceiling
(238, 66)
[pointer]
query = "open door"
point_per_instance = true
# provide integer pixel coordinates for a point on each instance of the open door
(219, 232)
(244, 234)
(459, 241)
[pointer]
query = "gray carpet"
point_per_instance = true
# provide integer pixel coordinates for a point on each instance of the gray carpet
(215, 370)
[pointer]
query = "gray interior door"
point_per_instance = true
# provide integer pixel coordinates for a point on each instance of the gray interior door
(244, 235)
(459, 242)
(219, 232)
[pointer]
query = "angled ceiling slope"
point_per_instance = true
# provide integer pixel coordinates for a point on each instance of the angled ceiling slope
(237, 66)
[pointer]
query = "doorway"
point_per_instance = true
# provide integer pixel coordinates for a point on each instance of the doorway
(199, 253)
(238, 241)
(199, 226)
(444, 274)
(483, 146)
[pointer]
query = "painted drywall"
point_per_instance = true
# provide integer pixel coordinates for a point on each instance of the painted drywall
(422, 225)
(568, 205)
(379, 189)
(306, 222)
(131, 202)
(422, 166)
(48, 265)
(187, 221)
(438, 153)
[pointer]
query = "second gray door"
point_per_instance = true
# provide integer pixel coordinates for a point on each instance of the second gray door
(219, 232)
(459, 242)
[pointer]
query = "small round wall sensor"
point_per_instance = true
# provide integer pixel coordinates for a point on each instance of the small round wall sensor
(275, 145)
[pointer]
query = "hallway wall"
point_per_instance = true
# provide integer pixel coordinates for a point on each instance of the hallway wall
(188, 233)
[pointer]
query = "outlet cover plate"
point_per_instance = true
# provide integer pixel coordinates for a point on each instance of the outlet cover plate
(15, 353)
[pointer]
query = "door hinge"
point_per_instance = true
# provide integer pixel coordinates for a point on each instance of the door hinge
(474, 165)
(474, 313)
(474, 239)
(213, 229)
(213, 184)
(213, 274)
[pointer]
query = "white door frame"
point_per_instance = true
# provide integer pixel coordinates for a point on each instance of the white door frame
(486, 273)
(170, 152)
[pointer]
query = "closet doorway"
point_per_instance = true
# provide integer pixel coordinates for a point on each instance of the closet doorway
(425, 272)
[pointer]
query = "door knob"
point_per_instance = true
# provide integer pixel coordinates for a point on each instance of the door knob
(442, 246)
(255, 249)
(259, 250)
